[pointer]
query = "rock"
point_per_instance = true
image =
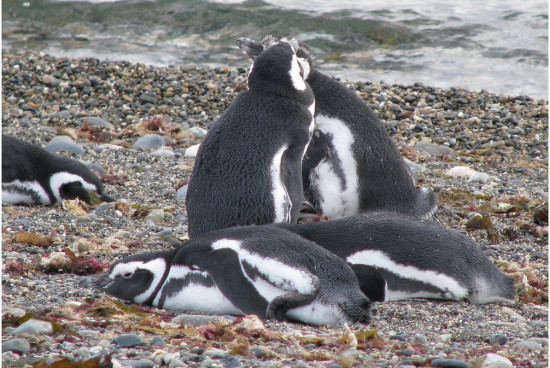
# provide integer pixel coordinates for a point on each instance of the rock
(89, 334)
(491, 361)
(163, 152)
(195, 319)
(181, 193)
(448, 363)
(18, 345)
(192, 151)
(34, 326)
(148, 98)
(175, 363)
(128, 340)
(478, 222)
(197, 132)
(149, 142)
(461, 172)
(156, 216)
(419, 339)
(50, 80)
(513, 314)
(215, 353)
(431, 149)
(64, 144)
(12, 313)
(95, 122)
(527, 345)
(499, 339)
(140, 363)
(96, 168)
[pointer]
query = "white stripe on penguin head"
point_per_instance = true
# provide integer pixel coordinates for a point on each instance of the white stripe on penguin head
(59, 179)
(156, 267)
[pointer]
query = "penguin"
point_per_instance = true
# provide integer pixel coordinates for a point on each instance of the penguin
(32, 175)
(248, 167)
(260, 270)
(352, 165)
(417, 258)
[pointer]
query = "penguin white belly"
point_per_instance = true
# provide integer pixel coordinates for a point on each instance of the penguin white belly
(450, 287)
(196, 297)
(24, 192)
(337, 200)
(316, 313)
(281, 199)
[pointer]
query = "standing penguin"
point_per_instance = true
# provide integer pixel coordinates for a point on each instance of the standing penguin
(352, 165)
(260, 270)
(32, 175)
(248, 168)
(417, 258)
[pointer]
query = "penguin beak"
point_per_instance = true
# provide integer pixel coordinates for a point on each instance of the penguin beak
(105, 198)
(95, 281)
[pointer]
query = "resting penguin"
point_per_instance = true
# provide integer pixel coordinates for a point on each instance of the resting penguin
(417, 258)
(352, 165)
(260, 270)
(248, 167)
(32, 175)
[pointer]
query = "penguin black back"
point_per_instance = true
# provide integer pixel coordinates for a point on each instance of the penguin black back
(32, 175)
(248, 168)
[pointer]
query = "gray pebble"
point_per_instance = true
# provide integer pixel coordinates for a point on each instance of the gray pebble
(181, 193)
(527, 345)
(22, 221)
(207, 363)
(83, 353)
(197, 132)
(149, 141)
(449, 363)
(178, 101)
(64, 145)
(499, 339)
(192, 151)
(34, 326)
(89, 334)
(138, 363)
(148, 98)
(104, 207)
(495, 361)
(95, 122)
(21, 346)
(431, 149)
(163, 152)
(257, 351)
(195, 319)
(158, 341)
(128, 340)
(419, 339)
(96, 168)
(174, 363)
(155, 216)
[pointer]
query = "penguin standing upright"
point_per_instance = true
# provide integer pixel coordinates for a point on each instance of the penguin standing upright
(352, 165)
(32, 175)
(248, 167)
(260, 270)
(417, 258)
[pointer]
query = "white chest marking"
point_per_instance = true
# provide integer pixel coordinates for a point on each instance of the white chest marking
(156, 267)
(281, 199)
(450, 287)
(336, 201)
(14, 192)
(196, 297)
(295, 76)
(60, 178)
(278, 275)
(317, 313)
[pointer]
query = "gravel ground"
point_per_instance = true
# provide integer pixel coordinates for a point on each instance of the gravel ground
(484, 154)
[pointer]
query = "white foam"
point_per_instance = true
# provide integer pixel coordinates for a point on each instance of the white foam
(156, 266)
(13, 192)
(278, 274)
(450, 287)
(281, 199)
(337, 202)
(59, 179)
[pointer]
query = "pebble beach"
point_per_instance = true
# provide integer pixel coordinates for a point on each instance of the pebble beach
(138, 127)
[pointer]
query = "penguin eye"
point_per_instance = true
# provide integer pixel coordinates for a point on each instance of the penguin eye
(195, 268)
(127, 275)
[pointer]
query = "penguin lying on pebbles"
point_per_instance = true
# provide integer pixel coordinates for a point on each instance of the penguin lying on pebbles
(352, 166)
(417, 258)
(248, 167)
(32, 175)
(260, 270)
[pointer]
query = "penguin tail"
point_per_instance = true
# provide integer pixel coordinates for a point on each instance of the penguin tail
(425, 203)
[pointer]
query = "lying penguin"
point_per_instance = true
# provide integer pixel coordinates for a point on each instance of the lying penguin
(260, 270)
(351, 166)
(417, 258)
(32, 175)
(248, 167)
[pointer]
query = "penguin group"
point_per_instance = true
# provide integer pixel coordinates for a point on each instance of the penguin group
(298, 135)
(294, 137)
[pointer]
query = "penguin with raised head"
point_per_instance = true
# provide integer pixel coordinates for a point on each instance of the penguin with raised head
(260, 270)
(417, 258)
(352, 165)
(32, 175)
(248, 167)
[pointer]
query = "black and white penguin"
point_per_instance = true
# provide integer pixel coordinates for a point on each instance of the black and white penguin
(351, 166)
(260, 270)
(248, 167)
(417, 258)
(32, 175)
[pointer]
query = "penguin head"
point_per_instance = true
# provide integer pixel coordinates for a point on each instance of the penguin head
(276, 65)
(137, 278)
(355, 309)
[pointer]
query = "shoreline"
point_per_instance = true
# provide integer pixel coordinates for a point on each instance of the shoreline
(503, 138)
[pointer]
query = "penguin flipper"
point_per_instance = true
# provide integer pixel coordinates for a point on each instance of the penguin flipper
(371, 282)
(278, 307)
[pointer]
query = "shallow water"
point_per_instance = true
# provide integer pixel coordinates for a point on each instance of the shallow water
(500, 46)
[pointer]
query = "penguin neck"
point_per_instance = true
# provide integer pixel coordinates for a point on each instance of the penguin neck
(284, 90)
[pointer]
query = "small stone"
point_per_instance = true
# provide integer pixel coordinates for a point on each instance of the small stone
(138, 363)
(163, 152)
(494, 361)
(215, 353)
(192, 151)
(95, 122)
(156, 216)
(34, 326)
(461, 172)
(89, 334)
(149, 142)
(419, 339)
(195, 320)
(64, 145)
(128, 340)
(178, 101)
(181, 193)
(158, 341)
(449, 363)
(12, 312)
(527, 345)
(197, 132)
(18, 345)
(431, 149)
(176, 363)
(499, 339)
(148, 98)
(50, 80)
(513, 314)
(257, 351)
